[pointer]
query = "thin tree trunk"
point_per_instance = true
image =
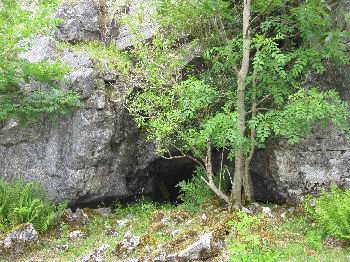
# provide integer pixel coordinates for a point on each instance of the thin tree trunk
(247, 181)
(210, 176)
(240, 157)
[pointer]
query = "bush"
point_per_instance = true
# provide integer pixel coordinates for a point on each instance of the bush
(195, 192)
(331, 212)
(22, 202)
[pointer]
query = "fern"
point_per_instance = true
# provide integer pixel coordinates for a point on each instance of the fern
(331, 212)
(194, 193)
(22, 202)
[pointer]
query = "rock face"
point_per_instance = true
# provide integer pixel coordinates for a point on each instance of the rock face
(97, 153)
(94, 154)
(290, 172)
(104, 20)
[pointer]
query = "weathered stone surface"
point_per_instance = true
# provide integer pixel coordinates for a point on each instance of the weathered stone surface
(76, 234)
(94, 154)
(141, 8)
(41, 48)
(290, 172)
(80, 21)
(84, 20)
(199, 250)
(79, 216)
(18, 239)
(129, 243)
(96, 255)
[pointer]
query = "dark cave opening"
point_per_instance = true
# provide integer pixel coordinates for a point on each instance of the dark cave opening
(166, 175)
(163, 175)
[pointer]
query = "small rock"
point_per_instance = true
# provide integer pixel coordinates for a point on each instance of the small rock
(175, 233)
(198, 250)
(284, 215)
(254, 207)
(218, 245)
(62, 248)
(96, 255)
(160, 258)
(76, 234)
(267, 212)
(123, 222)
(256, 204)
(204, 217)
(188, 222)
(114, 233)
(291, 209)
(105, 211)
(247, 211)
(78, 216)
(312, 203)
(132, 260)
(166, 221)
(18, 239)
(129, 243)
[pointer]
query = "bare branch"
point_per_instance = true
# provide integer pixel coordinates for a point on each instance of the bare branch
(197, 161)
(262, 100)
(210, 174)
(218, 192)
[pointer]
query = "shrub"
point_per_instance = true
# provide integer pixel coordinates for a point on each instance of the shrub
(22, 202)
(195, 192)
(331, 212)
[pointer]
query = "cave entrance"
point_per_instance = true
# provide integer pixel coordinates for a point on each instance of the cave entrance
(166, 175)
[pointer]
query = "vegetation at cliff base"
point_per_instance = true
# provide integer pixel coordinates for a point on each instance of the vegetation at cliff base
(287, 236)
(22, 202)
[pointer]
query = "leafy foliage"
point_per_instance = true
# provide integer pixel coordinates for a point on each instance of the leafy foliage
(16, 25)
(185, 108)
(331, 212)
(304, 108)
(194, 193)
(27, 203)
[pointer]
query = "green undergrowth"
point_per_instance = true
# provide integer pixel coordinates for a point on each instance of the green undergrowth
(141, 214)
(22, 202)
(288, 236)
(107, 58)
(255, 238)
(331, 213)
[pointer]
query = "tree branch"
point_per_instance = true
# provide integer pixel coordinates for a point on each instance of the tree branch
(210, 175)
